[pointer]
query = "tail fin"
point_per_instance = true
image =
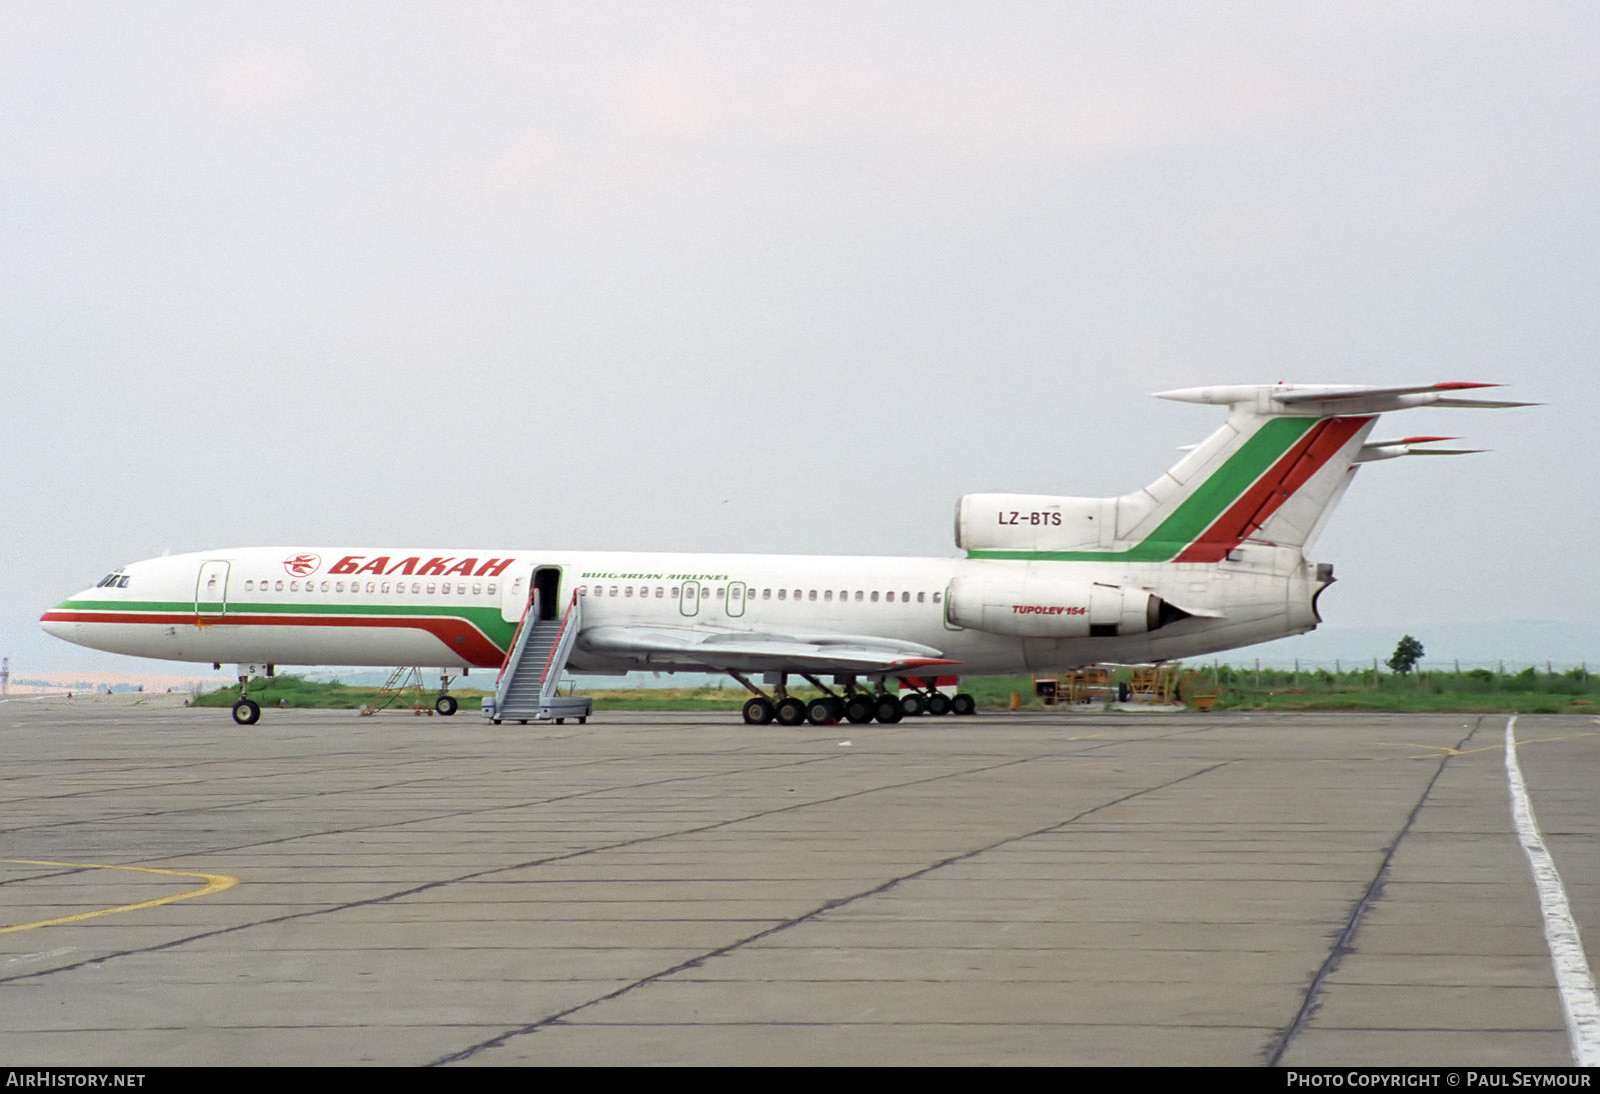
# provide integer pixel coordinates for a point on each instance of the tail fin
(1270, 474)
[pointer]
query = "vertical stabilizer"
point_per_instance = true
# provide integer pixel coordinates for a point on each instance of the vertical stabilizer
(1270, 474)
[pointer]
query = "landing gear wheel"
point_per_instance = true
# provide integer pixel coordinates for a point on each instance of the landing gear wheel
(758, 712)
(445, 705)
(939, 704)
(858, 709)
(888, 710)
(963, 704)
(912, 705)
(791, 712)
(246, 712)
(821, 712)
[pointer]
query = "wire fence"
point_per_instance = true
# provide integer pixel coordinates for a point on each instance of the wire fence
(1501, 667)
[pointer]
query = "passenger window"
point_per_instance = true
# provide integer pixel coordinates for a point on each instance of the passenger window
(827, 594)
(936, 597)
(430, 586)
(491, 588)
(279, 586)
(766, 594)
(720, 591)
(628, 591)
(783, 594)
(874, 596)
(812, 595)
(385, 587)
(660, 592)
(922, 598)
(889, 597)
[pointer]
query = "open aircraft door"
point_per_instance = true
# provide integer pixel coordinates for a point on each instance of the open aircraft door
(525, 580)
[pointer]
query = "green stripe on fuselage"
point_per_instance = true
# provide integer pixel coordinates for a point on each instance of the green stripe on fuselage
(1200, 509)
(487, 620)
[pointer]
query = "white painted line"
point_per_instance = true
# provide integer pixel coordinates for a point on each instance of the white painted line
(1573, 977)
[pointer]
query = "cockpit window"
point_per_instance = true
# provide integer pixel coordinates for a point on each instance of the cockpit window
(117, 580)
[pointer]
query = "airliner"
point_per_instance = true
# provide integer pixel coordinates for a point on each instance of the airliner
(1211, 556)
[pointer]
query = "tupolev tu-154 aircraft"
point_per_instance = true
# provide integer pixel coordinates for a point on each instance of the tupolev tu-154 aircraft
(1209, 557)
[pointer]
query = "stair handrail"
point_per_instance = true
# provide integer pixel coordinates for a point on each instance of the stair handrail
(561, 643)
(519, 639)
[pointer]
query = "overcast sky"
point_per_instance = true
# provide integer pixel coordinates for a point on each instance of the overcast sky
(781, 277)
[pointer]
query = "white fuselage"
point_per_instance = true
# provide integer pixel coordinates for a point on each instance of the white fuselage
(454, 607)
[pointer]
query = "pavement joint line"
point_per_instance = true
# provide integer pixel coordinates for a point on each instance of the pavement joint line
(452, 815)
(1573, 979)
(832, 905)
(565, 856)
(280, 799)
(1341, 945)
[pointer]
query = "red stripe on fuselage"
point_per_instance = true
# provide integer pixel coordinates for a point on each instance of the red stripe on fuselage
(472, 648)
(1292, 471)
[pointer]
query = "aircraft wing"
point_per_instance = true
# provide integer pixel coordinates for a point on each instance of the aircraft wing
(740, 651)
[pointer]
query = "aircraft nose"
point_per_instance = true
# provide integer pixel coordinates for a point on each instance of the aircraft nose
(58, 621)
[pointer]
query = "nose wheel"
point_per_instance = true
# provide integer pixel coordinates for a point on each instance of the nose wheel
(247, 712)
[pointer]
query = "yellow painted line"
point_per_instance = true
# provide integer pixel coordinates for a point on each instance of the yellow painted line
(1468, 751)
(214, 883)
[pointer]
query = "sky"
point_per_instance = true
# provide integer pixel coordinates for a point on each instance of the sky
(781, 277)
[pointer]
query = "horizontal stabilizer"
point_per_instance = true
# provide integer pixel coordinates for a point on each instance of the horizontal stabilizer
(1331, 392)
(1483, 404)
(1408, 446)
(1334, 399)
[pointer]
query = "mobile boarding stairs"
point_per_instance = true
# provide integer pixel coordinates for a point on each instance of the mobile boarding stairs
(526, 688)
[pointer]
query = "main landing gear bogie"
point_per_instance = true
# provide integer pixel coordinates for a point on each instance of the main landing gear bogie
(858, 709)
(937, 704)
(854, 705)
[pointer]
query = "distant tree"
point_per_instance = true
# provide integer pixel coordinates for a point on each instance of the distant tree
(1406, 655)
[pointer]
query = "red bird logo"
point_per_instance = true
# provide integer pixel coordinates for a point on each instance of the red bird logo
(301, 565)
